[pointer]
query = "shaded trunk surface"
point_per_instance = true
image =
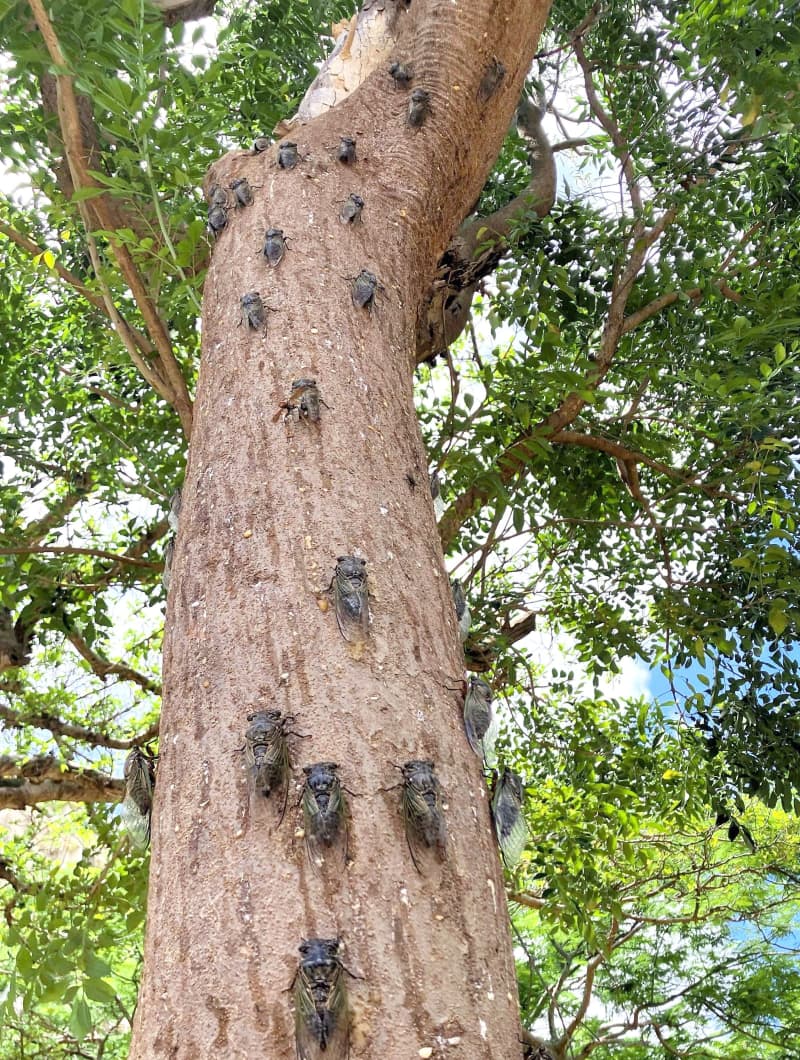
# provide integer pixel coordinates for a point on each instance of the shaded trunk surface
(268, 506)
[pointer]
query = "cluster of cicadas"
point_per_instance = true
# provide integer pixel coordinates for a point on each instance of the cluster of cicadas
(321, 1023)
(319, 983)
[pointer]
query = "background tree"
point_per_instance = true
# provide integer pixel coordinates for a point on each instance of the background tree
(614, 430)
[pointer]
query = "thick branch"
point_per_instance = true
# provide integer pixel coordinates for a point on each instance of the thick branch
(42, 720)
(44, 779)
(481, 242)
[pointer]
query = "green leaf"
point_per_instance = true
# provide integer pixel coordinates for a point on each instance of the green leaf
(80, 1020)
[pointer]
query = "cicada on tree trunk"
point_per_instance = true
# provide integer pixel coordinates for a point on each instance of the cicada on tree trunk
(324, 813)
(351, 598)
(137, 805)
(266, 752)
(423, 810)
(320, 1002)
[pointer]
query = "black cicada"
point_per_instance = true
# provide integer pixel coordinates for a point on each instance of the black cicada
(242, 192)
(217, 210)
(266, 752)
(419, 107)
(477, 713)
(346, 151)
(287, 155)
(321, 1018)
(401, 75)
(462, 608)
(509, 820)
(306, 393)
(351, 597)
(364, 287)
(261, 144)
(490, 82)
(350, 213)
(253, 312)
(324, 811)
(274, 246)
(422, 809)
(140, 779)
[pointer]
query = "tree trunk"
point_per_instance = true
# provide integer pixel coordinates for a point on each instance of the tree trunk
(268, 506)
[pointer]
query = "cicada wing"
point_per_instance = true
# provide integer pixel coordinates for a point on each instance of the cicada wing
(512, 830)
(490, 740)
(425, 826)
(137, 823)
(352, 610)
(325, 829)
(321, 1031)
(138, 802)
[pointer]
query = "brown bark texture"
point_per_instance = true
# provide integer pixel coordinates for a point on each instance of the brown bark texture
(268, 506)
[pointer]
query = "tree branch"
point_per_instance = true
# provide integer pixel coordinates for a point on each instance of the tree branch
(34, 250)
(169, 382)
(44, 779)
(103, 668)
(75, 551)
(42, 720)
(481, 242)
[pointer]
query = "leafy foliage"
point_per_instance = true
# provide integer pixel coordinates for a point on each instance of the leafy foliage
(654, 525)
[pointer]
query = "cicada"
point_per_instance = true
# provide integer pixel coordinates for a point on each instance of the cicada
(306, 393)
(419, 107)
(324, 811)
(217, 210)
(422, 809)
(350, 213)
(266, 752)
(351, 598)
(509, 820)
(274, 246)
(321, 1018)
(401, 75)
(254, 314)
(140, 779)
(242, 192)
(462, 608)
(492, 77)
(477, 713)
(363, 290)
(346, 151)
(287, 155)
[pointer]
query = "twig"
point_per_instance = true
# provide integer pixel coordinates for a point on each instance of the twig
(103, 668)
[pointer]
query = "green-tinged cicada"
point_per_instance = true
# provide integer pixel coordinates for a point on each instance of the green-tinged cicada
(478, 714)
(422, 810)
(266, 752)
(320, 1002)
(324, 812)
(463, 615)
(509, 820)
(137, 806)
(351, 598)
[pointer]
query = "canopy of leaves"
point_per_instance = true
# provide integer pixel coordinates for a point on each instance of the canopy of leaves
(616, 434)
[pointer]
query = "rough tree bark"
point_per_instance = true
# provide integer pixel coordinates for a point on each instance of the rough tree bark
(267, 508)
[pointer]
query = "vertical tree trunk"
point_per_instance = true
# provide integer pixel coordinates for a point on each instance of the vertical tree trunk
(268, 507)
